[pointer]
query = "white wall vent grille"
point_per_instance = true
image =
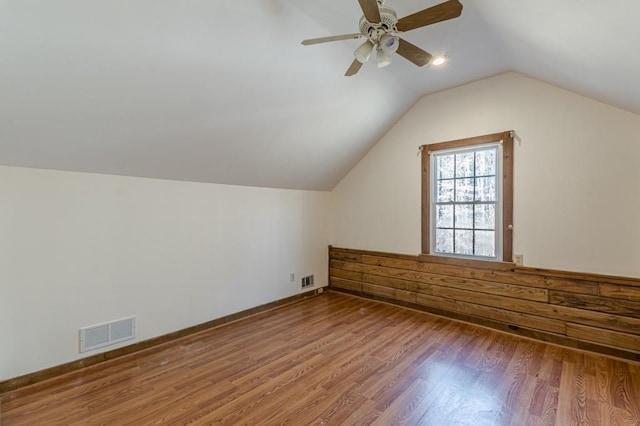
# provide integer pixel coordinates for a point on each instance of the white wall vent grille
(109, 333)
(307, 281)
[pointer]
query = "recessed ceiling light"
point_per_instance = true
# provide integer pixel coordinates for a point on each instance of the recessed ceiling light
(439, 60)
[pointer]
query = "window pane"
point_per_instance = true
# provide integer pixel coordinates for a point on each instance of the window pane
(464, 216)
(485, 243)
(445, 166)
(464, 242)
(486, 163)
(444, 216)
(445, 191)
(464, 190)
(444, 240)
(465, 194)
(485, 217)
(486, 189)
(464, 165)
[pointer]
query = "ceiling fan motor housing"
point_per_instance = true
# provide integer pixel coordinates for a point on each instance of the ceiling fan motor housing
(387, 24)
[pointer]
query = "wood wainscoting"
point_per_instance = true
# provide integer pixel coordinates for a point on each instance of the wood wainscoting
(585, 311)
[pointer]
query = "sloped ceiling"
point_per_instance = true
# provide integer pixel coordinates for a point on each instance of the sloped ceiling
(223, 92)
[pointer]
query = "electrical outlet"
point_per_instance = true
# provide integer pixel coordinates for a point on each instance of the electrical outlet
(518, 259)
(292, 277)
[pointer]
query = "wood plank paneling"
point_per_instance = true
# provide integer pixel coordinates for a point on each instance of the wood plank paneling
(620, 292)
(537, 299)
(346, 274)
(509, 317)
(412, 265)
(467, 263)
(393, 293)
(390, 282)
(345, 256)
(347, 266)
(520, 292)
(607, 337)
(346, 284)
(572, 286)
(611, 322)
(622, 307)
(529, 280)
(633, 282)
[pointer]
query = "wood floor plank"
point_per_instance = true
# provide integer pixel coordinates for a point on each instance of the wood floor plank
(339, 359)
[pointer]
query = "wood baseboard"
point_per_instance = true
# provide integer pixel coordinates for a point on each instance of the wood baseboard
(145, 345)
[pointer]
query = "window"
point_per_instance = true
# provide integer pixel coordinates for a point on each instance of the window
(467, 197)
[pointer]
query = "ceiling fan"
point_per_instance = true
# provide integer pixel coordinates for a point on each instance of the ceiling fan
(382, 28)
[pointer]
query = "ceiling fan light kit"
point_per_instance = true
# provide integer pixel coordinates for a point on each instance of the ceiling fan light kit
(383, 58)
(382, 29)
(389, 43)
(363, 52)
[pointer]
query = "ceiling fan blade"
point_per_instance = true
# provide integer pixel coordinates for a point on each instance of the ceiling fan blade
(354, 68)
(441, 12)
(331, 38)
(413, 53)
(370, 10)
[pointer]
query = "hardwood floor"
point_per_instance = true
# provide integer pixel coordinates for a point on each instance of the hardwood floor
(339, 359)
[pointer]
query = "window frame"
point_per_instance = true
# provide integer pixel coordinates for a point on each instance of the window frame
(506, 139)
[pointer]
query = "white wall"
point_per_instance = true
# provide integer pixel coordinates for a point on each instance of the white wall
(577, 179)
(80, 249)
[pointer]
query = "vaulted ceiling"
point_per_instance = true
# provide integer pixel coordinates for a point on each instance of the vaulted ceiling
(224, 92)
